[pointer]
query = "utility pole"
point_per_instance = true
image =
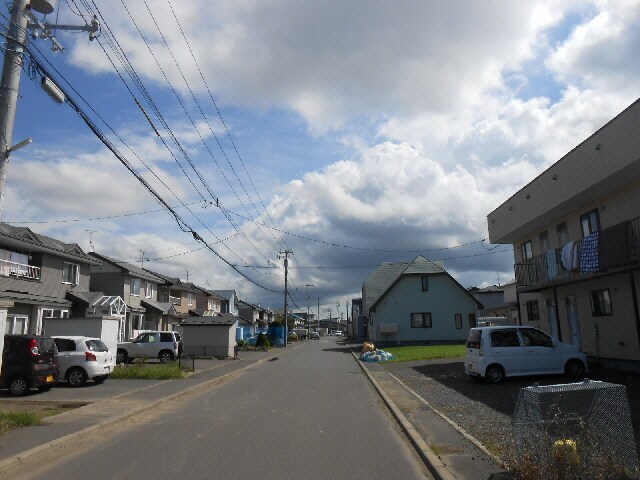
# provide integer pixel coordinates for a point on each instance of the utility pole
(308, 321)
(286, 254)
(22, 19)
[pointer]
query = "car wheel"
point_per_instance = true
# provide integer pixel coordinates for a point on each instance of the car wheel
(76, 377)
(494, 373)
(165, 356)
(121, 356)
(18, 386)
(100, 379)
(44, 388)
(574, 369)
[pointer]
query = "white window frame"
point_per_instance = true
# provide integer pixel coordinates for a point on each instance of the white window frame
(148, 289)
(11, 324)
(75, 272)
(135, 291)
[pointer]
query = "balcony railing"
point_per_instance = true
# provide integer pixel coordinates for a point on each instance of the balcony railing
(617, 247)
(20, 270)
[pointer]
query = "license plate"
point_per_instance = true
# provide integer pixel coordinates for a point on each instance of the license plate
(49, 378)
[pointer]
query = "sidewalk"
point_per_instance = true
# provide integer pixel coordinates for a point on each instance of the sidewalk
(448, 451)
(121, 401)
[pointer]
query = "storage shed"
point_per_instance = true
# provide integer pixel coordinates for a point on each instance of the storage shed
(209, 336)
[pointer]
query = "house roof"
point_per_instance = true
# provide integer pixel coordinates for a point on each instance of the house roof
(34, 299)
(87, 298)
(210, 293)
(164, 308)
(129, 268)
(217, 321)
(24, 238)
(175, 282)
(385, 276)
(226, 294)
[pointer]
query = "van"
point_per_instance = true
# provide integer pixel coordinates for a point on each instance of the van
(494, 353)
(28, 361)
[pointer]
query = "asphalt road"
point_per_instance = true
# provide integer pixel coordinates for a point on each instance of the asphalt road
(308, 413)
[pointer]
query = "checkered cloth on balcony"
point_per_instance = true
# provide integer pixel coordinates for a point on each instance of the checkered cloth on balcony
(589, 261)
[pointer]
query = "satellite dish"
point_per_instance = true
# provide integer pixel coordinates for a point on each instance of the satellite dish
(43, 6)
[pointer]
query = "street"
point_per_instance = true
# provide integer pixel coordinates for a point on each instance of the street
(308, 412)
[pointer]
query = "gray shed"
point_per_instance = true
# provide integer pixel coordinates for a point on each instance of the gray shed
(209, 336)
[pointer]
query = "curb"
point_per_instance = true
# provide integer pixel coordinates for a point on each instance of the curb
(17, 459)
(430, 459)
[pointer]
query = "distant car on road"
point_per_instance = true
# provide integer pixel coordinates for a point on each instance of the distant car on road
(83, 358)
(315, 336)
(338, 333)
(494, 353)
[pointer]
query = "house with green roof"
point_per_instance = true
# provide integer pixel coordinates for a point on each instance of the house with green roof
(418, 303)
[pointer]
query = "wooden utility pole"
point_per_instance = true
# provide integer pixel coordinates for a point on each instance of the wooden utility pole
(286, 254)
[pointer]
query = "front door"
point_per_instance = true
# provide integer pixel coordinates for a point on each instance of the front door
(574, 321)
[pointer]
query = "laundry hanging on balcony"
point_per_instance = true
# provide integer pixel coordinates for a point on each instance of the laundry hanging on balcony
(570, 256)
(552, 264)
(589, 260)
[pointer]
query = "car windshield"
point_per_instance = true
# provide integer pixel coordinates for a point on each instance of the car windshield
(96, 346)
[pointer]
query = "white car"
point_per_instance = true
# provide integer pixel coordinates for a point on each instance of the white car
(494, 353)
(338, 333)
(83, 358)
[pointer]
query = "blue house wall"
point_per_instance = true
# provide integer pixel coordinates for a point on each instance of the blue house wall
(443, 299)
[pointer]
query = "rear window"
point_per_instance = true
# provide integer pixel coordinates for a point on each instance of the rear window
(96, 346)
(166, 337)
(65, 344)
(474, 338)
(47, 345)
(505, 338)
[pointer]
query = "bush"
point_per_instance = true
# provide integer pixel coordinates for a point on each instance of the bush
(9, 421)
(292, 337)
(240, 343)
(260, 341)
(267, 343)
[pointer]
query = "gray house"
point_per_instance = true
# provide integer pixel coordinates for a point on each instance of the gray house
(416, 303)
(40, 277)
(137, 287)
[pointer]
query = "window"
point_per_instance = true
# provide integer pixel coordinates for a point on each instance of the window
(425, 283)
(54, 313)
(562, 233)
(458, 321)
(16, 324)
(421, 320)
(189, 299)
(590, 223)
(505, 338)
(533, 313)
(544, 242)
(601, 303)
(166, 337)
(148, 290)
(70, 273)
(65, 344)
(535, 338)
(472, 320)
(525, 250)
(135, 287)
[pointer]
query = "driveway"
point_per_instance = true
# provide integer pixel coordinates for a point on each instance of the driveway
(485, 410)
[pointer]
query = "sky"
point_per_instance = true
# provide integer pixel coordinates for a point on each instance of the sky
(347, 133)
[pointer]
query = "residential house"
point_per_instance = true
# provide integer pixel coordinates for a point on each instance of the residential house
(499, 305)
(416, 303)
(576, 235)
(38, 277)
(181, 295)
(359, 323)
(208, 300)
(137, 287)
(230, 304)
(256, 316)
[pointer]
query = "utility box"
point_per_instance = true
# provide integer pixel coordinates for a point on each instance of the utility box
(105, 328)
(576, 430)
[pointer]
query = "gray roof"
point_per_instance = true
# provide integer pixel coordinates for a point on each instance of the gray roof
(34, 299)
(211, 293)
(129, 268)
(24, 238)
(86, 297)
(175, 281)
(216, 321)
(162, 307)
(226, 294)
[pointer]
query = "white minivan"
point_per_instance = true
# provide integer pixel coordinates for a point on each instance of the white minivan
(494, 353)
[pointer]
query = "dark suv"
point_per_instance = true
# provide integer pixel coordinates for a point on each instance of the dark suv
(29, 361)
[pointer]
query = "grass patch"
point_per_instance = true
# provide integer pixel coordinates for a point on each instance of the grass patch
(426, 352)
(146, 371)
(11, 420)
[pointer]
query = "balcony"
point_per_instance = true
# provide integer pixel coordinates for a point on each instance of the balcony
(175, 300)
(618, 248)
(19, 270)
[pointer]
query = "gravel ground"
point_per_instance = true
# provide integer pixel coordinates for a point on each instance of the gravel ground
(485, 410)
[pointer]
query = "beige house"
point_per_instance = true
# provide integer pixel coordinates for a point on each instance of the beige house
(576, 236)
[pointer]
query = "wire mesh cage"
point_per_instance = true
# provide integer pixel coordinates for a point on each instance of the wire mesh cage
(581, 430)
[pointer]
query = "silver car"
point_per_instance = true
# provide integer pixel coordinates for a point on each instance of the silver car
(83, 358)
